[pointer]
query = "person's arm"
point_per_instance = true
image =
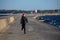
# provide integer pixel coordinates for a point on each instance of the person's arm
(26, 19)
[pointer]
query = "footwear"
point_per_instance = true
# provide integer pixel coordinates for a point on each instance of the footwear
(24, 32)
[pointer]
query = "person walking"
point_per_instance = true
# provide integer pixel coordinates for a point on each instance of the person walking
(24, 20)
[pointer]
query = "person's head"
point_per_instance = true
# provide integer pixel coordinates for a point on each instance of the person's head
(23, 14)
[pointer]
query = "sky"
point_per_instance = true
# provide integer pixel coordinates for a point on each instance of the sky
(29, 4)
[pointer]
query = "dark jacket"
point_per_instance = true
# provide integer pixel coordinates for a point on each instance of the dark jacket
(24, 20)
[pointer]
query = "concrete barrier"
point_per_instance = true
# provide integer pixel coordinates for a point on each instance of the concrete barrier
(3, 24)
(11, 19)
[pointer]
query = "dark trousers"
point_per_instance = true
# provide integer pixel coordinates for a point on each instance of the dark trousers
(23, 27)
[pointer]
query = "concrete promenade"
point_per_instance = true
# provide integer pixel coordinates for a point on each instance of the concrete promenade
(35, 30)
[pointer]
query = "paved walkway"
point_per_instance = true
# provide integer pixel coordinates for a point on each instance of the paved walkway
(35, 31)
